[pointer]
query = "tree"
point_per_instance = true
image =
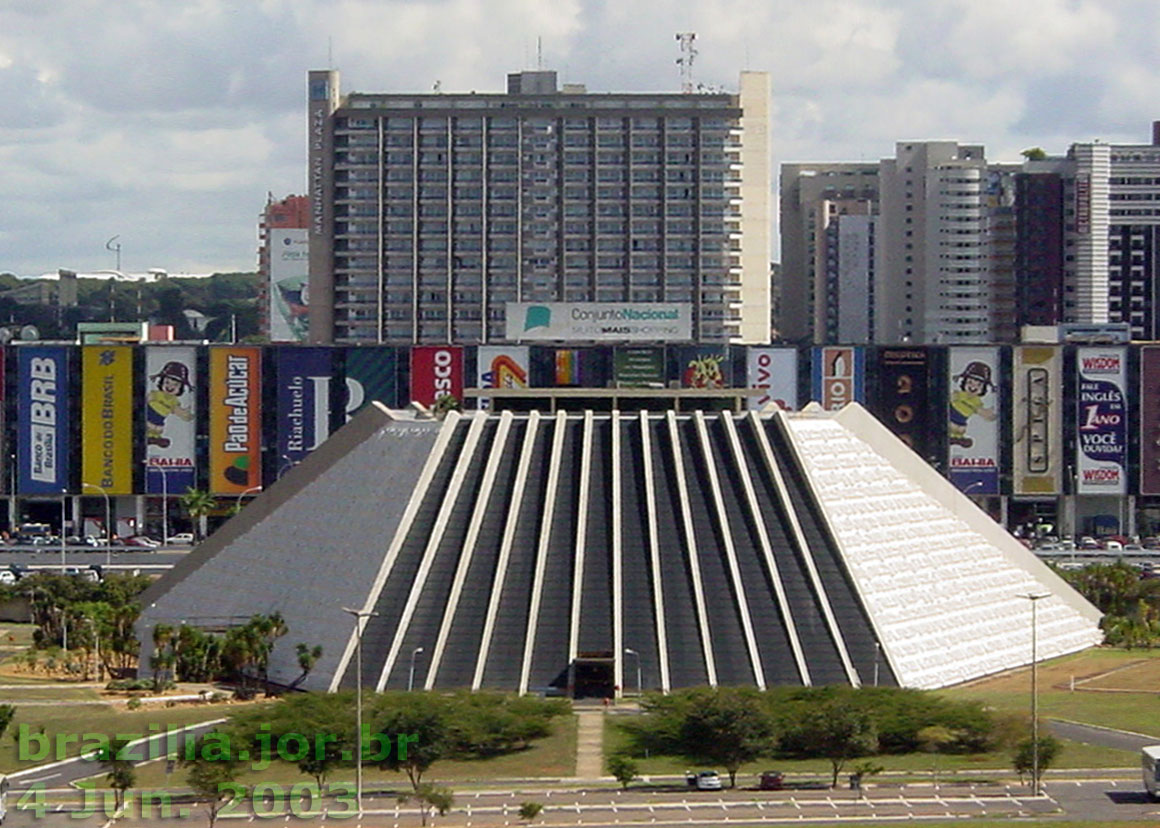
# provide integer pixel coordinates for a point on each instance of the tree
(623, 769)
(530, 810)
(121, 776)
(445, 403)
(198, 504)
(212, 778)
(307, 658)
(1049, 748)
(837, 732)
(429, 798)
(1034, 154)
(424, 717)
(7, 711)
(934, 740)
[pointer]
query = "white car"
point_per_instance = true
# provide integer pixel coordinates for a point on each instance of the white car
(182, 539)
(708, 781)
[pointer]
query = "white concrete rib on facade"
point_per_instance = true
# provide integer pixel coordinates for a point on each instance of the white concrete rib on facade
(944, 600)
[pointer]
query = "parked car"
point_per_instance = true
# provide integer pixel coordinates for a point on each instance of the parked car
(771, 781)
(141, 540)
(707, 781)
(182, 539)
(7, 577)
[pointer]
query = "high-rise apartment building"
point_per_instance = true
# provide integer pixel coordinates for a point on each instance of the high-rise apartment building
(429, 212)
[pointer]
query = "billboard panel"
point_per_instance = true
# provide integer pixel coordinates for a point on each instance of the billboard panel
(1101, 462)
(700, 366)
(170, 403)
(903, 396)
(502, 367)
(1150, 420)
(235, 418)
(774, 370)
(639, 367)
(580, 367)
(1037, 420)
(107, 417)
(287, 292)
(370, 375)
(43, 419)
(436, 370)
(600, 321)
(973, 419)
(304, 378)
(839, 376)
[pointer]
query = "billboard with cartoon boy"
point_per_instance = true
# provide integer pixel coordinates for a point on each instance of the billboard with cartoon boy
(973, 420)
(170, 402)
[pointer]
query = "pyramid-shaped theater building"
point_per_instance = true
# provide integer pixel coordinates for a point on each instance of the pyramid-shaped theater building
(560, 553)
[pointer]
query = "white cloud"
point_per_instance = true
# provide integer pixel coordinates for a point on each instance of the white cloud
(167, 122)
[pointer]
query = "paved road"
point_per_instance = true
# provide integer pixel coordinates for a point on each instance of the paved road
(1101, 736)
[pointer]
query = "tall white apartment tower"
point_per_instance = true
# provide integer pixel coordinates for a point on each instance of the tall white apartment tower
(933, 280)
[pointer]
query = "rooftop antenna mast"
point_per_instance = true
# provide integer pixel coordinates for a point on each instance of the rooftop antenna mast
(685, 61)
(539, 53)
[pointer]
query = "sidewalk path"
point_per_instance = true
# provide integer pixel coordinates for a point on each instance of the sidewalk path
(590, 744)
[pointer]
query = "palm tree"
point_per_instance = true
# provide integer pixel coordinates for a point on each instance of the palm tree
(198, 503)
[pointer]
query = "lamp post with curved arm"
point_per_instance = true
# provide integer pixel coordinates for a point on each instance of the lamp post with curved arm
(108, 525)
(238, 501)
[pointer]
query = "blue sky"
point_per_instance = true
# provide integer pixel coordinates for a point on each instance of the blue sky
(167, 123)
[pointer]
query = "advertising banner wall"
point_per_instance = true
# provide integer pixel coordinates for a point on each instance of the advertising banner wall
(700, 366)
(235, 418)
(304, 378)
(436, 370)
(838, 376)
(580, 368)
(502, 367)
(287, 294)
(170, 404)
(107, 417)
(639, 367)
(973, 419)
(370, 375)
(43, 419)
(1150, 420)
(774, 370)
(1037, 420)
(903, 396)
(600, 321)
(1101, 462)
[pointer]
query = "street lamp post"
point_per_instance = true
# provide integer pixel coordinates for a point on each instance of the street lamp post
(361, 617)
(108, 525)
(411, 675)
(238, 502)
(63, 499)
(1035, 598)
(639, 684)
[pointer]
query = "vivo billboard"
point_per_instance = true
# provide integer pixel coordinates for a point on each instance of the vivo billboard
(774, 371)
(600, 321)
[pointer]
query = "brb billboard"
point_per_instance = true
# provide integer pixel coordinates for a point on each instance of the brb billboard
(436, 371)
(235, 419)
(304, 378)
(107, 417)
(170, 403)
(600, 321)
(43, 415)
(839, 376)
(973, 419)
(774, 371)
(1101, 462)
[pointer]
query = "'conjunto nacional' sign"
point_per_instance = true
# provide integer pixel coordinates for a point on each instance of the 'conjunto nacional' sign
(600, 321)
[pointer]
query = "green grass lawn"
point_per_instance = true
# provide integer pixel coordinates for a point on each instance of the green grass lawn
(65, 720)
(554, 756)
